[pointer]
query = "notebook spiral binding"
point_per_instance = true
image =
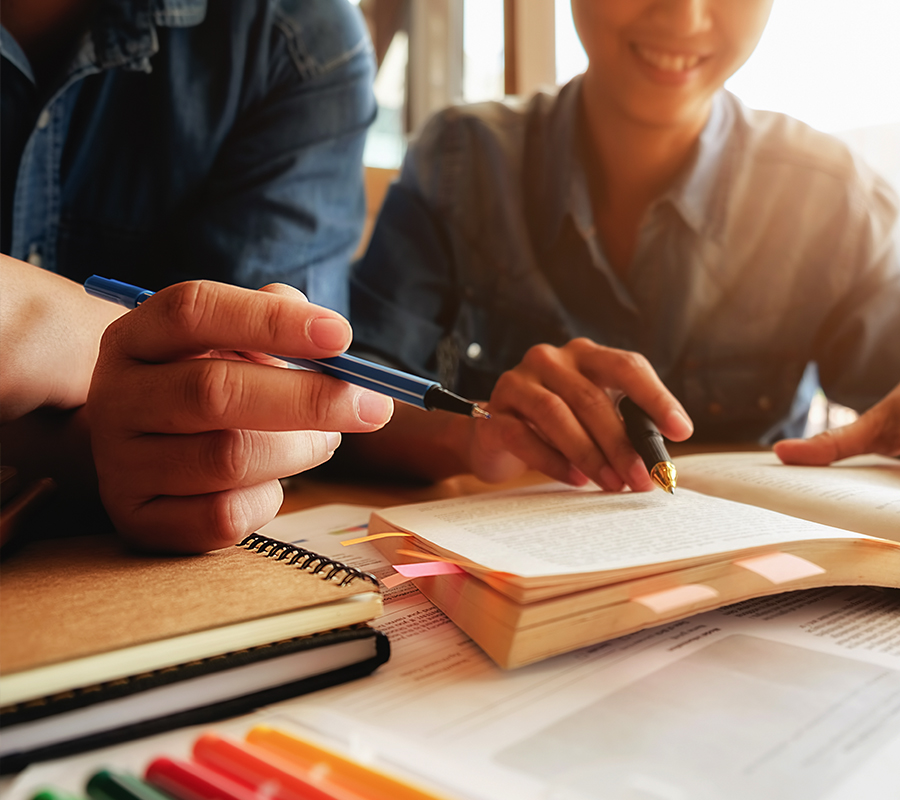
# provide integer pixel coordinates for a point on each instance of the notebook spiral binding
(328, 568)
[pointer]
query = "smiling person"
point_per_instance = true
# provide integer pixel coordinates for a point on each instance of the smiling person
(640, 231)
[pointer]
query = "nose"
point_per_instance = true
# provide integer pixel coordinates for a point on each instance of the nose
(684, 17)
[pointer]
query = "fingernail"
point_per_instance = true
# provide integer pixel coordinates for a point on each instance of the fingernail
(679, 419)
(330, 333)
(332, 441)
(374, 409)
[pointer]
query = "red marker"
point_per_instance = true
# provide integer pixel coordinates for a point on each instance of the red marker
(186, 781)
(265, 773)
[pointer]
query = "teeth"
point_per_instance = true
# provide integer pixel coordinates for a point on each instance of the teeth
(669, 62)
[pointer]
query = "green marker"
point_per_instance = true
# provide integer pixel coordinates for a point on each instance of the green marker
(106, 785)
(54, 794)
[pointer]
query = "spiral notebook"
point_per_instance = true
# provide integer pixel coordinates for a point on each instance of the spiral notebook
(98, 644)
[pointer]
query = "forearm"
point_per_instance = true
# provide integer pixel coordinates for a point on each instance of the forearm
(50, 333)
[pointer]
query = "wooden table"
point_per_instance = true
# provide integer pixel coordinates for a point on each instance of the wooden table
(302, 491)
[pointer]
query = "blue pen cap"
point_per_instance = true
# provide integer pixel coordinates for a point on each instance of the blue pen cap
(125, 294)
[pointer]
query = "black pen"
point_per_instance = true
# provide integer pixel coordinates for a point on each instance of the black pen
(648, 441)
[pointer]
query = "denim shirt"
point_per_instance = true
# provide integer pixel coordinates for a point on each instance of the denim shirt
(772, 252)
(190, 141)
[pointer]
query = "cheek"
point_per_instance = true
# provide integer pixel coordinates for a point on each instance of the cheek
(743, 30)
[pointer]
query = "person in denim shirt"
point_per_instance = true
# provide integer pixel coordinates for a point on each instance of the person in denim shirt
(175, 140)
(640, 232)
(180, 139)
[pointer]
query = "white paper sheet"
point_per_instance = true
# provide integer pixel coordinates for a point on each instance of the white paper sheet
(794, 696)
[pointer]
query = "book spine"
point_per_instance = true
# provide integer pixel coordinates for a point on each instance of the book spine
(328, 569)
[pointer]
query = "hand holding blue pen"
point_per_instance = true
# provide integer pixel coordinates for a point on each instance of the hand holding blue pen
(189, 448)
(398, 385)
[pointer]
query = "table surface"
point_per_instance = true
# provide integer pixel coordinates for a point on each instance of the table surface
(302, 491)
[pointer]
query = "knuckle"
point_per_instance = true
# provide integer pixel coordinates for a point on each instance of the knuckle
(229, 520)
(188, 305)
(214, 393)
(540, 355)
(228, 458)
(318, 401)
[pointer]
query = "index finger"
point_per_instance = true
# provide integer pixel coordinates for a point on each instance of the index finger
(632, 374)
(193, 318)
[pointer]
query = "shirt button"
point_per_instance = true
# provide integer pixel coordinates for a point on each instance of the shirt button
(34, 258)
(43, 120)
(764, 403)
(714, 408)
(473, 351)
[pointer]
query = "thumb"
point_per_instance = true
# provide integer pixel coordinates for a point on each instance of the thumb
(876, 431)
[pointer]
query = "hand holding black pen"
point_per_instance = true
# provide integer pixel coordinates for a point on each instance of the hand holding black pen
(556, 412)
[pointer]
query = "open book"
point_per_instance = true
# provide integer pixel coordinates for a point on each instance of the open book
(550, 568)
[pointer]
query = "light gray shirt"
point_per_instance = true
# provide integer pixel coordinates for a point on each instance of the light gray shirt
(774, 251)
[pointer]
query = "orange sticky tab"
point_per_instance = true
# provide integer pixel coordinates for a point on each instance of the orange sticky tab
(374, 536)
(395, 580)
(780, 567)
(670, 599)
(427, 568)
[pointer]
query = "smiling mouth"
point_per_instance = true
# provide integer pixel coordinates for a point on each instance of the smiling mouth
(666, 61)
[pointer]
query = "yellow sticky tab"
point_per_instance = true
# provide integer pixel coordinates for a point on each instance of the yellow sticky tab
(374, 536)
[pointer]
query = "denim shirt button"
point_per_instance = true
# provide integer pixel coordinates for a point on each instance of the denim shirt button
(34, 257)
(764, 403)
(473, 351)
(43, 120)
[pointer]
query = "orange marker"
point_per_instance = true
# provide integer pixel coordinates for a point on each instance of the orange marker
(371, 783)
(265, 773)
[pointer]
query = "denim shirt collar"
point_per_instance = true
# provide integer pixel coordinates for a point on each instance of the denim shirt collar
(122, 34)
(698, 195)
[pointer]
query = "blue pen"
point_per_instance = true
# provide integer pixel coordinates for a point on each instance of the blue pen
(384, 380)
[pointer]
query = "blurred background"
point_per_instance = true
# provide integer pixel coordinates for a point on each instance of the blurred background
(835, 64)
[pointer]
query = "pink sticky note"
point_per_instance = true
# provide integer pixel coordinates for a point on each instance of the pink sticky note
(780, 567)
(426, 568)
(670, 599)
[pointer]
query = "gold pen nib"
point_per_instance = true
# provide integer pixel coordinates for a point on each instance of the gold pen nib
(479, 413)
(665, 476)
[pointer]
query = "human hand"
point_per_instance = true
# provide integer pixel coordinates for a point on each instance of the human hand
(554, 413)
(191, 425)
(876, 431)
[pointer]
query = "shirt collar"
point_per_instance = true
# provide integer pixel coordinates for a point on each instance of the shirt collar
(700, 194)
(123, 34)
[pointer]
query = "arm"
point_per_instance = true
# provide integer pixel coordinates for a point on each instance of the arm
(552, 413)
(50, 331)
(876, 431)
(285, 199)
(189, 440)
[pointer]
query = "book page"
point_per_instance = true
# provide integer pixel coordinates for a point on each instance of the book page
(860, 494)
(558, 530)
(834, 654)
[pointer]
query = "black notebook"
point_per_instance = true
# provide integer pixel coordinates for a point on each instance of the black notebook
(99, 645)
